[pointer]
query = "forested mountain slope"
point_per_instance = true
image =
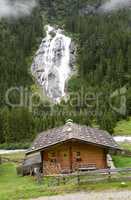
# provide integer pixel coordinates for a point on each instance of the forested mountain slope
(103, 65)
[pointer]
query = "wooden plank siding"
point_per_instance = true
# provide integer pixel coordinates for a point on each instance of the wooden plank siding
(68, 157)
(90, 154)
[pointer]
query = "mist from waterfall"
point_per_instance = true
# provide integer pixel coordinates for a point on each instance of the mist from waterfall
(16, 9)
(113, 5)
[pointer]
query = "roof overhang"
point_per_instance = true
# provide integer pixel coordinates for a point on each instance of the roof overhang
(73, 140)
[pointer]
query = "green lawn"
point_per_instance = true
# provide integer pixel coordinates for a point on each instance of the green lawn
(125, 145)
(15, 187)
(14, 156)
(123, 127)
(122, 161)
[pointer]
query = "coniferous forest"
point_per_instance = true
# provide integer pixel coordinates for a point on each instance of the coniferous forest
(103, 65)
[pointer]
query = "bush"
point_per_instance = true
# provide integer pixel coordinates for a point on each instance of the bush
(13, 146)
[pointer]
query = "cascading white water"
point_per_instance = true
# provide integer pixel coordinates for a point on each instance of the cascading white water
(52, 63)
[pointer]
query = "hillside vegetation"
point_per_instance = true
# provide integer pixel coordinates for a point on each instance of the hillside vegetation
(103, 64)
(123, 127)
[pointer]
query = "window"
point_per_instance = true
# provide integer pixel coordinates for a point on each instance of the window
(53, 160)
(65, 155)
(52, 157)
(78, 156)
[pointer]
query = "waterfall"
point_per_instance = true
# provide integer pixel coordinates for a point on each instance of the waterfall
(52, 65)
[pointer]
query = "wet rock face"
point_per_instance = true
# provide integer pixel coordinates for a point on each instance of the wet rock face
(53, 63)
(90, 9)
(72, 54)
(87, 10)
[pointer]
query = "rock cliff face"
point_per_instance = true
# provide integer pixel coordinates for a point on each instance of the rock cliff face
(54, 62)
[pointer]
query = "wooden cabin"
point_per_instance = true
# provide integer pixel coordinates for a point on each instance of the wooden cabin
(73, 147)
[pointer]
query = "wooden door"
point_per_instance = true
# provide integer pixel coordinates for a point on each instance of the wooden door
(64, 159)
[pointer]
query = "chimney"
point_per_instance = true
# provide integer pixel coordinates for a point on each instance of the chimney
(69, 122)
(69, 127)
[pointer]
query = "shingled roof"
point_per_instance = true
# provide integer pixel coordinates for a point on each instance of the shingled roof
(73, 131)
